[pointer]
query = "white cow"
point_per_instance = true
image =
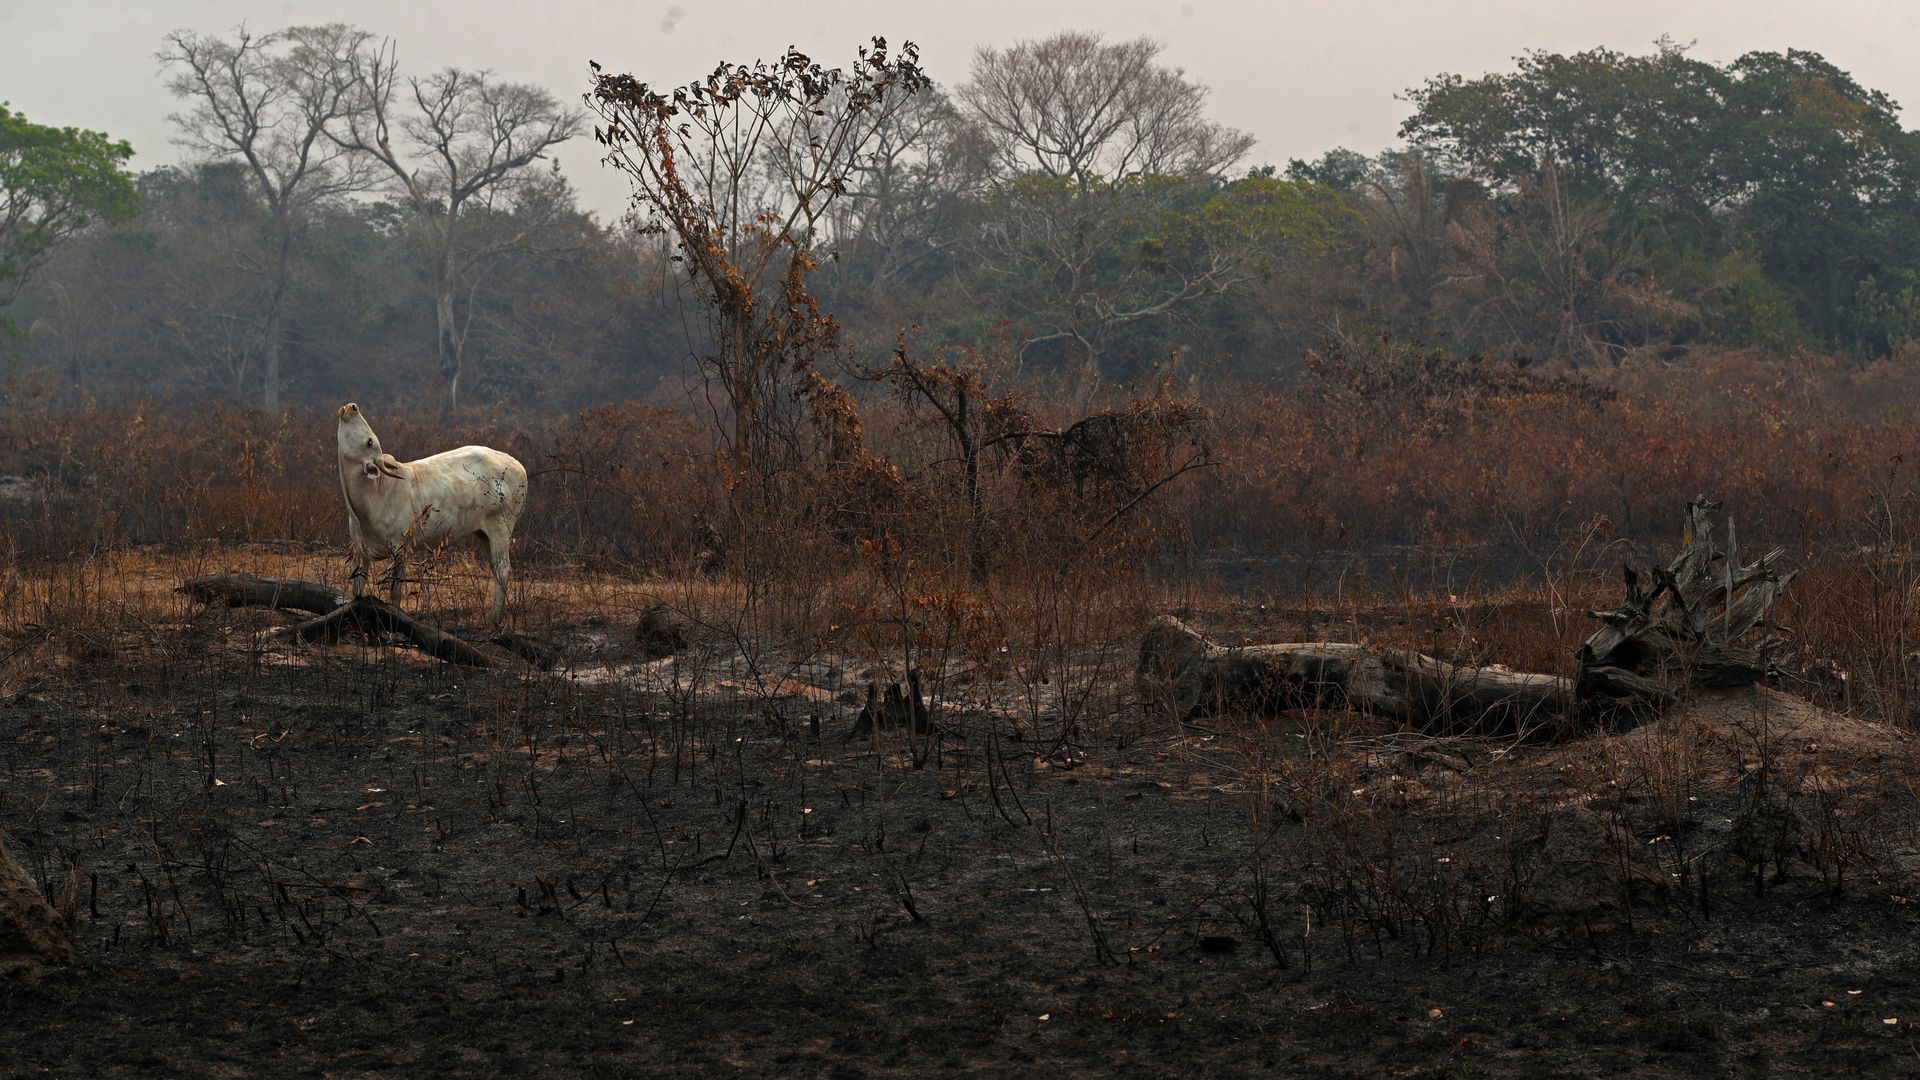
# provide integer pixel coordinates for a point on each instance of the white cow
(474, 491)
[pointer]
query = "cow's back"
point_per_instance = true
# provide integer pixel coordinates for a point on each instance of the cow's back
(471, 480)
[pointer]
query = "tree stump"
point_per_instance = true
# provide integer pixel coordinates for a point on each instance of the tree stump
(32, 935)
(661, 632)
(894, 709)
(1702, 623)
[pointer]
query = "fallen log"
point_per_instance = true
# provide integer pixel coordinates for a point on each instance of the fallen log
(533, 652)
(377, 617)
(1701, 624)
(253, 590)
(339, 613)
(1195, 677)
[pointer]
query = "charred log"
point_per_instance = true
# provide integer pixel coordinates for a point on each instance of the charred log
(377, 618)
(253, 590)
(533, 652)
(366, 615)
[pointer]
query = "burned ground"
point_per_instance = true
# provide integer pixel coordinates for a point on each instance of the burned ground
(355, 861)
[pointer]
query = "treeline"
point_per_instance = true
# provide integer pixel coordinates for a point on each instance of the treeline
(1068, 206)
(1585, 206)
(169, 307)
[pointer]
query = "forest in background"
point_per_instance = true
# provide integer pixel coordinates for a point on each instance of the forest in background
(966, 403)
(1067, 208)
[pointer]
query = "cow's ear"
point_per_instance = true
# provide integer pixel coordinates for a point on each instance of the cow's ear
(387, 464)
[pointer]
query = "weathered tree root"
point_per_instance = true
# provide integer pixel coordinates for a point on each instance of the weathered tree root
(1692, 629)
(339, 613)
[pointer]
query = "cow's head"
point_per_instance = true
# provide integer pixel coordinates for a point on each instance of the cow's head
(360, 447)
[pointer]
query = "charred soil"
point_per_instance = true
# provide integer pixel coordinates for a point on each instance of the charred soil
(341, 860)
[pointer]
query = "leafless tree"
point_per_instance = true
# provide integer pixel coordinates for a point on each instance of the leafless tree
(1075, 106)
(1093, 142)
(1556, 276)
(909, 195)
(740, 170)
(467, 143)
(1421, 220)
(269, 101)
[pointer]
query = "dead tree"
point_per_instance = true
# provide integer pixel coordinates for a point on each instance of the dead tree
(1701, 624)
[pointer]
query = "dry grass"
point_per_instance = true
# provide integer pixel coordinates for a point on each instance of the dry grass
(862, 568)
(1532, 488)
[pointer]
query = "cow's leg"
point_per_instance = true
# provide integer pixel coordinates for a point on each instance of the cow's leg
(399, 575)
(498, 540)
(358, 580)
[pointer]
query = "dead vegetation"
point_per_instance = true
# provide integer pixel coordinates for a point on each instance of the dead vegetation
(203, 796)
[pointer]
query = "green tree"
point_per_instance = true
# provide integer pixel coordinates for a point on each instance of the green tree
(1781, 155)
(1084, 266)
(1832, 179)
(1421, 222)
(54, 182)
(1886, 315)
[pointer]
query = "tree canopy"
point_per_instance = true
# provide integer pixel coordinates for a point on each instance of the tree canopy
(1067, 203)
(54, 183)
(1781, 154)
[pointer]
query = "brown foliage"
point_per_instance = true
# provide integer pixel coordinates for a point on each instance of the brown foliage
(621, 481)
(1527, 478)
(1471, 453)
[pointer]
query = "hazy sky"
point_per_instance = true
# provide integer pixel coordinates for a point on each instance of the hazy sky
(1302, 76)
